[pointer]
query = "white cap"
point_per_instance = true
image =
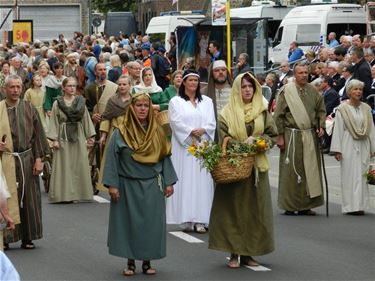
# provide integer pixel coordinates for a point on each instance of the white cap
(219, 63)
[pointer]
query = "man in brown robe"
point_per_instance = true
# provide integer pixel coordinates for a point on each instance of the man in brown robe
(300, 180)
(23, 145)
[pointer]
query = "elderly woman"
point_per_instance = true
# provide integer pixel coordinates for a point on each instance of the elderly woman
(192, 119)
(353, 143)
(5, 72)
(69, 128)
(139, 173)
(241, 214)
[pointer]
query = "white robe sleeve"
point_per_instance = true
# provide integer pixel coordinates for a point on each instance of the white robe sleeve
(180, 128)
(338, 133)
(372, 139)
(210, 121)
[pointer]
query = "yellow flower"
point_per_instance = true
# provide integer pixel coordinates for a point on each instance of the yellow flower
(192, 149)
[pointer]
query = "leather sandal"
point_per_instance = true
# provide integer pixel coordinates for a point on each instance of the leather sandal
(199, 228)
(130, 271)
(147, 269)
(233, 261)
(248, 261)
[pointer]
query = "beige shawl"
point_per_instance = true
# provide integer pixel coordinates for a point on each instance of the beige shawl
(310, 161)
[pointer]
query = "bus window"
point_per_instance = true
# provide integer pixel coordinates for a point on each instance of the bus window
(278, 36)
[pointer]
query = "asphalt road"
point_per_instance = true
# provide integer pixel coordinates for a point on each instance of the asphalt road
(340, 247)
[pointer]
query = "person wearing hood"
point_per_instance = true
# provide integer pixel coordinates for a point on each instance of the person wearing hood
(241, 215)
(219, 85)
(148, 85)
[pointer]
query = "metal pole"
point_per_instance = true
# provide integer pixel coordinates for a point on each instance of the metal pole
(229, 44)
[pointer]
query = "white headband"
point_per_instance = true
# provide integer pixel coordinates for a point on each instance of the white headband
(190, 74)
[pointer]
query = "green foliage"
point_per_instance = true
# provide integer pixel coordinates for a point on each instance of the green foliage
(105, 6)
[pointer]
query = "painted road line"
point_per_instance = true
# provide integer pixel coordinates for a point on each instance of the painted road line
(100, 199)
(332, 167)
(255, 268)
(184, 236)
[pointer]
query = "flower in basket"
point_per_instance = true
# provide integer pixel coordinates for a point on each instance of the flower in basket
(370, 175)
(208, 152)
(261, 144)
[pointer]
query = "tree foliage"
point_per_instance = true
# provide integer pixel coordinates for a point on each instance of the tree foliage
(105, 6)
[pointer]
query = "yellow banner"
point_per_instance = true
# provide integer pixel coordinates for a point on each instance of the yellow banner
(22, 31)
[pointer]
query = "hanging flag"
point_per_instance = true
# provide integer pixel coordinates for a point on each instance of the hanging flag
(174, 2)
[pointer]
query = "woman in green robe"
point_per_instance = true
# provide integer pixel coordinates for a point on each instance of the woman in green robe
(173, 88)
(71, 130)
(241, 215)
(148, 85)
(139, 174)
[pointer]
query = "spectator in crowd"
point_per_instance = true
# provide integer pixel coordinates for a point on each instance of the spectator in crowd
(71, 66)
(192, 120)
(340, 53)
(139, 175)
(146, 49)
(116, 70)
(24, 136)
(241, 215)
(295, 53)
(242, 65)
(353, 143)
(134, 70)
(323, 55)
(310, 57)
(17, 69)
(69, 128)
(357, 41)
(299, 112)
(161, 66)
(332, 42)
(286, 72)
(215, 51)
(172, 54)
(347, 74)
(362, 70)
(330, 96)
(369, 56)
(332, 69)
(89, 66)
(347, 43)
(5, 72)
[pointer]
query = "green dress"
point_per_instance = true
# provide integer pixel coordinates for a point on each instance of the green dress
(293, 196)
(241, 220)
(137, 224)
(168, 94)
(160, 98)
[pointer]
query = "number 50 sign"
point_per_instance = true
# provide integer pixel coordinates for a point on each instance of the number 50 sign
(22, 31)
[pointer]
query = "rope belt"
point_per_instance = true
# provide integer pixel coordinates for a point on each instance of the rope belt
(292, 140)
(18, 155)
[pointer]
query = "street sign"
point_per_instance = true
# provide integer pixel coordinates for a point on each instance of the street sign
(22, 31)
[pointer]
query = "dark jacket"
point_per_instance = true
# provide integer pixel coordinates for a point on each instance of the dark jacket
(331, 100)
(362, 72)
(244, 68)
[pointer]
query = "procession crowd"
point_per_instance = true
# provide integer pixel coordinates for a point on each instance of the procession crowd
(116, 115)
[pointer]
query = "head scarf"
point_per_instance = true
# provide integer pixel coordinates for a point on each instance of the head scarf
(236, 114)
(142, 88)
(150, 144)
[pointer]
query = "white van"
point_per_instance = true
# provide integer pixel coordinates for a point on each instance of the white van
(309, 26)
(160, 28)
(275, 13)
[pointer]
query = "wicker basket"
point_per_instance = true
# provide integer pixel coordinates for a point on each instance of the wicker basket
(224, 172)
(162, 117)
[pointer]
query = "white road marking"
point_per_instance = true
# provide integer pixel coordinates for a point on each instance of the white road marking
(184, 236)
(100, 199)
(332, 167)
(255, 268)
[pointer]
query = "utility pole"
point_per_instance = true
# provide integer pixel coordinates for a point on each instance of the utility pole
(15, 9)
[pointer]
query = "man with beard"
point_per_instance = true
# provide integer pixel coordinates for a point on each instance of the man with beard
(71, 67)
(300, 117)
(97, 94)
(219, 85)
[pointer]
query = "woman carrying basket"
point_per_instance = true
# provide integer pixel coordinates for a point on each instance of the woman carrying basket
(241, 215)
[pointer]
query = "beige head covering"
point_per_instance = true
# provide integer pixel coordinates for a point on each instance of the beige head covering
(236, 114)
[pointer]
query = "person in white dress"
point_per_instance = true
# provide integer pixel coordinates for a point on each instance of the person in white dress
(192, 118)
(353, 143)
